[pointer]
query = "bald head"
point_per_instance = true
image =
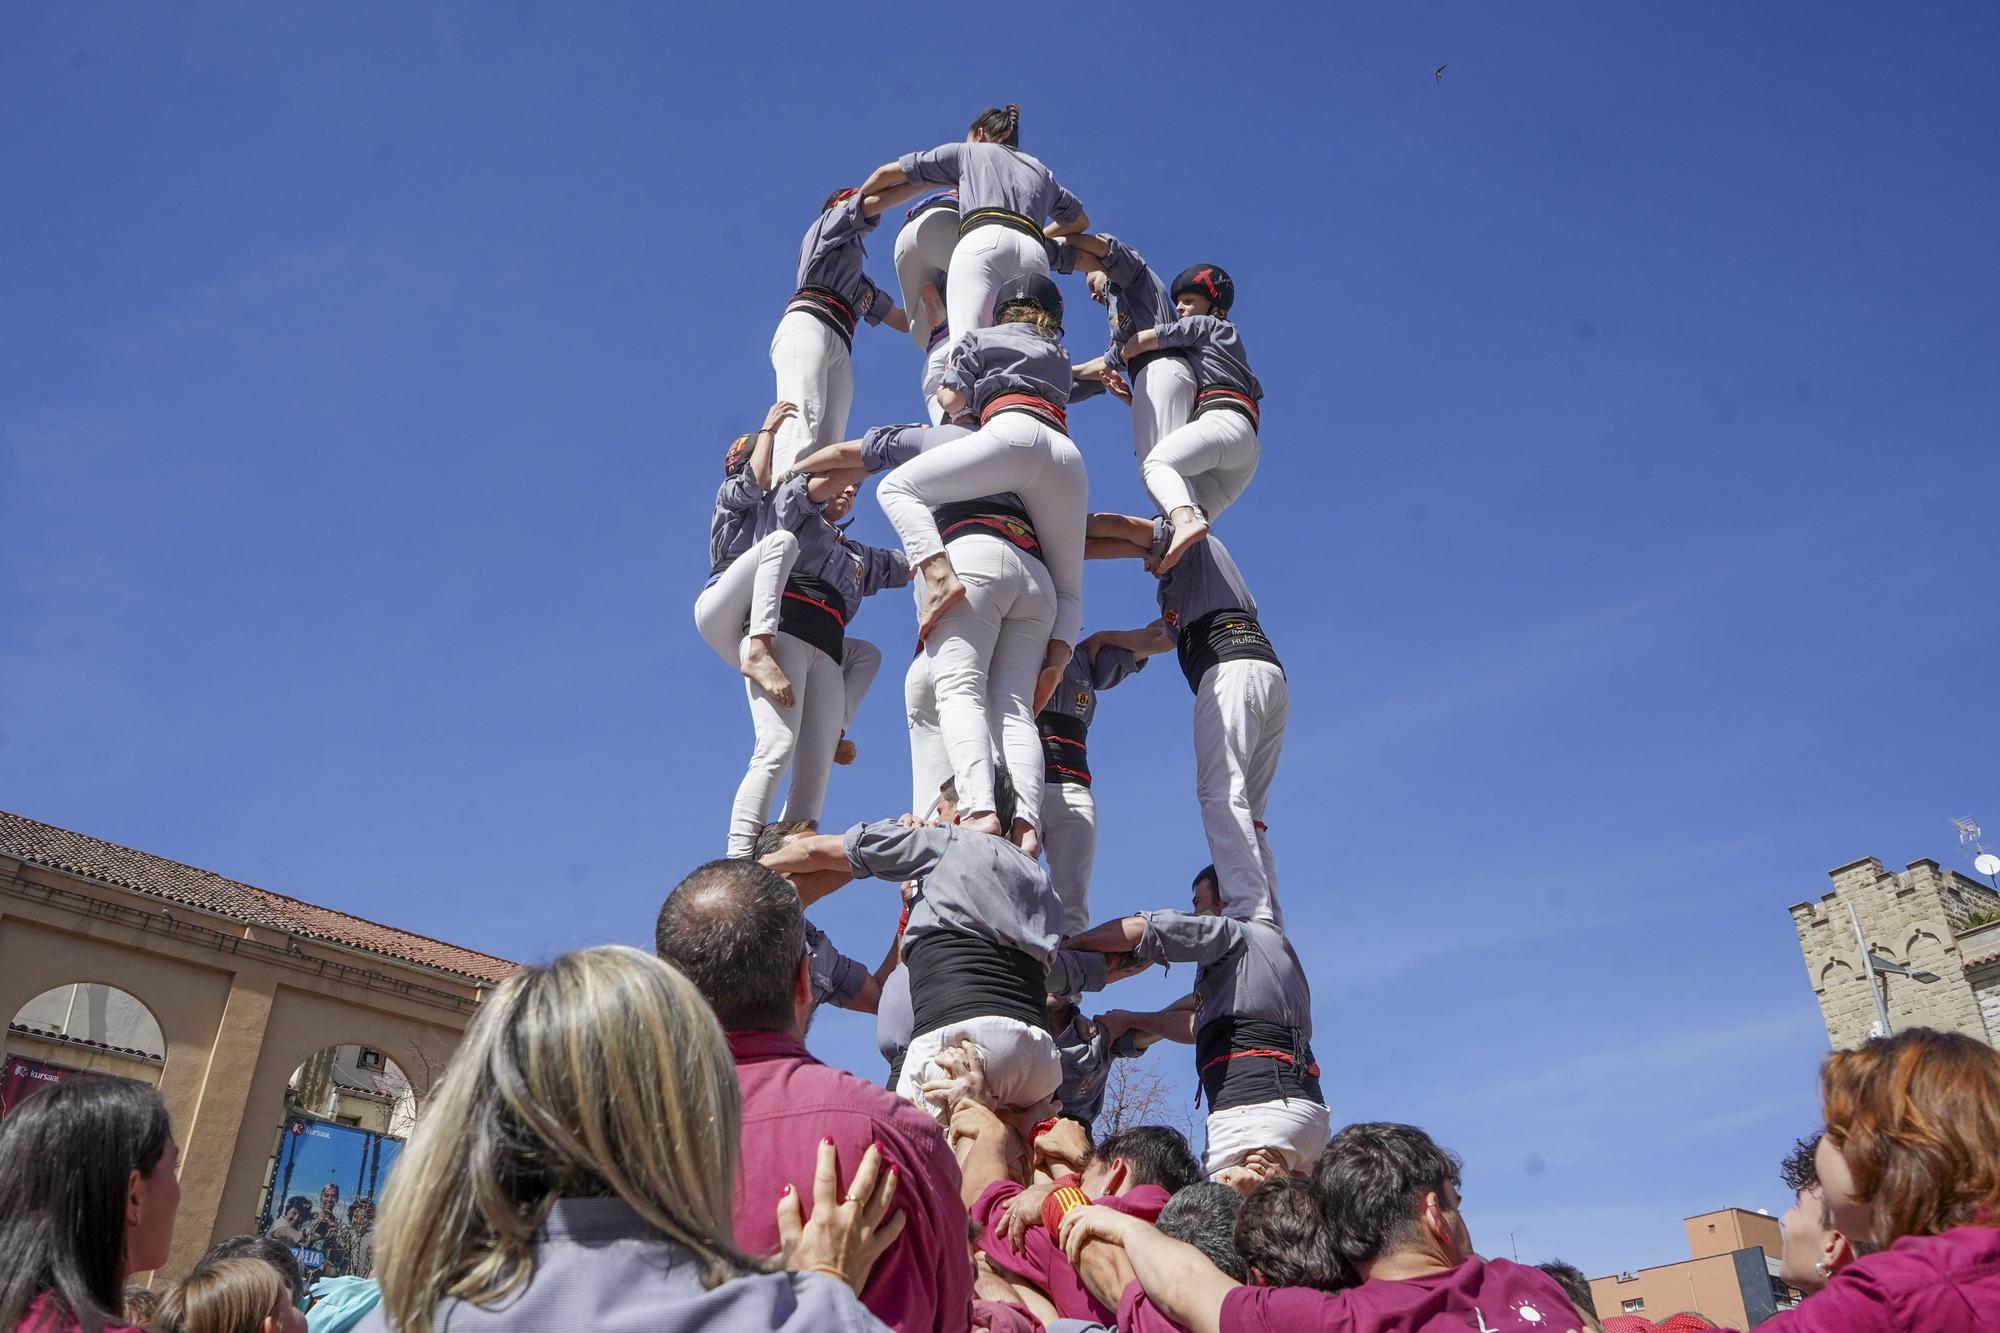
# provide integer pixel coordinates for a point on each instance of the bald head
(736, 929)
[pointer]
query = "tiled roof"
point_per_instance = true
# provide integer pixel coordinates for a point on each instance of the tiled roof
(1982, 960)
(45, 844)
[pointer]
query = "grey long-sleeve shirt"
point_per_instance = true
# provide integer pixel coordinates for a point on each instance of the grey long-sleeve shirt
(1136, 297)
(1076, 696)
(1244, 969)
(830, 256)
(1206, 579)
(1215, 349)
(1086, 1068)
(991, 175)
(836, 978)
(975, 884)
(599, 1265)
(855, 570)
(1008, 358)
(734, 526)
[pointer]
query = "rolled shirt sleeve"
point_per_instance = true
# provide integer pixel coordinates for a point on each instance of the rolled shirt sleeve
(888, 850)
(939, 166)
(1183, 937)
(881, 568)
(836, 978)
(1183, 332)
(1067, 207)
(1073, 971)
(879, 304)
(1112, 665)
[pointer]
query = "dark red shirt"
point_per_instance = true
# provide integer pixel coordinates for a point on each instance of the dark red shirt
(1041, 1260)
(791, 1101)
(1478, 1296)
(1947, 1283)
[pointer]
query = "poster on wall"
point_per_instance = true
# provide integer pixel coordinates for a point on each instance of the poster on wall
(322, 1192)
(20, 1076)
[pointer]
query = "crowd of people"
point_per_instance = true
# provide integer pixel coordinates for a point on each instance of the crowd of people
(628, 1140)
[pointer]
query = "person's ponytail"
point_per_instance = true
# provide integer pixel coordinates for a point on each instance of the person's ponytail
(1001, 125)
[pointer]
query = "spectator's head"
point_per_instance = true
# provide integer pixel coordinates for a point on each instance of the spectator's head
(601, 1074)
(1387, 1189)
(1204, 1215)
(1575, 1286)
(1283, 1239)
(273, 1252)
(736, 930)
(240, 1295)
(1911, 1121)
(1814, 1249)
(1005, 803)
(87, 1198)
(1148, 1155)
(142, 1304)
(1207, 892)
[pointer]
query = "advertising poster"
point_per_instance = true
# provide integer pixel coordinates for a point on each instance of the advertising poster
(20, 1076)
(321, 1200)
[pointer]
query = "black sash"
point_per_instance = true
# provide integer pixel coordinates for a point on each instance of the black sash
(1227, 400)
(955, 976)
(1247, 1060)
(813, 610)
(988, 516)
(1065, 748)
(1227, 635)
(829, 308)
(1000, 217)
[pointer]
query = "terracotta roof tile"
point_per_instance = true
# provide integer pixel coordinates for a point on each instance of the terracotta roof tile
(60, 848)
(1983, 960)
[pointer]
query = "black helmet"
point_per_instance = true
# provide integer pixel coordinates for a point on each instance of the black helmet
(738, 455)
(1210, 281)
(1031, 289)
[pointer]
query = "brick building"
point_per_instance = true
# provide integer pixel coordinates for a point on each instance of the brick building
(1926, 919)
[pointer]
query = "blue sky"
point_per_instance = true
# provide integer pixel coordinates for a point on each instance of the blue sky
(1626, 519)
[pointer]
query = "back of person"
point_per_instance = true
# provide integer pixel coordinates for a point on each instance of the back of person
(1479, 1295)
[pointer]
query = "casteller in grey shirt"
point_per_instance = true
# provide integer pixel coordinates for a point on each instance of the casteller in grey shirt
(599, 1266)
(992, 175)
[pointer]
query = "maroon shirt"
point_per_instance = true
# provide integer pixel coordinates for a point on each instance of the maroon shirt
(1138, 1314)
(1480, 1294)
(791, 1101)
(1041, 1260)
(1947, 1283)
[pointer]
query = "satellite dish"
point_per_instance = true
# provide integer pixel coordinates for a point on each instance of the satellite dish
(1986, 863)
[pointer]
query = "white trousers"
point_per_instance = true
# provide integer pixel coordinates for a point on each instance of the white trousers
(799, 739)
(1069, 838)
(1021, 1062)
(983, 259)
(985, 655)
(751, 587)
(934, 367)
(814, 371)
(1207, 463)
(1240, 713)
(1293, 1126)
(923, 255)
(1162, 401)
(1012, 452)
(930, 765)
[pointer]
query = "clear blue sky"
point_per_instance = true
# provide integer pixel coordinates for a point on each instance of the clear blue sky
(1626, 522)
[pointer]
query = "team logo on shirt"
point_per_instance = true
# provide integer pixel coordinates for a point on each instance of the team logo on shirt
(1082, 700)
(1172, 617)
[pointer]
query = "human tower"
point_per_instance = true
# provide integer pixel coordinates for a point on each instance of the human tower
(989, 499)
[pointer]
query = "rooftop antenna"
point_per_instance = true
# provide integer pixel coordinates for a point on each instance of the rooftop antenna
(1983, 861)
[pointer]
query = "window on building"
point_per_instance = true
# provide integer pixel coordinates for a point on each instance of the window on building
(1635, 1305)
(373, 1060)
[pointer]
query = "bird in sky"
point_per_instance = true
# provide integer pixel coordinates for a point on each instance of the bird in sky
(1438, 74)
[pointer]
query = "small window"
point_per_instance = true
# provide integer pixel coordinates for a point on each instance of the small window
(373, 1060)
(1636, 1304)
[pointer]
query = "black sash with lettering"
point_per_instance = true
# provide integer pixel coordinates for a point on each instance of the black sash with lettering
(1000, 217)
(1247, 1060)
(1065, 748)
(988, 516)
(955, 976)
(813, 610)
(1227, 635)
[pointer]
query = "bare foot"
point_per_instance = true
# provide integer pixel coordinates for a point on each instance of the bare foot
(1187, 531)
(942, 591)
(764, 671)
(843, 753)
(983, 823)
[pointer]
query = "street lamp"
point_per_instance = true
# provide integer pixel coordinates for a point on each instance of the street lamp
(1871, 965)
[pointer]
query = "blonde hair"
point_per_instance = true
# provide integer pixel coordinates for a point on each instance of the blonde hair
(601, 1074)
(228, 1296)
(1020, 312)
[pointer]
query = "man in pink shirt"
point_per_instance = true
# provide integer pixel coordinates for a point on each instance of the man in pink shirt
(738, 932)
(1390, 1199)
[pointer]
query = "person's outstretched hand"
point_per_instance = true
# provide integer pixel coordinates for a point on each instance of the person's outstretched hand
(846, 1234)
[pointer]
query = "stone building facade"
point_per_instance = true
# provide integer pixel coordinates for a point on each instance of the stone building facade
(1927, 919)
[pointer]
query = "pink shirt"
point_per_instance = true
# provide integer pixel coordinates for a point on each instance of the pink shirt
(1041, 1260)
(1488, 1295)
(1947, 1283)
(792, 1101)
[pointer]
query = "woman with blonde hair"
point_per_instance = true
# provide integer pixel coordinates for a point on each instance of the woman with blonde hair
(575, 1171)
(241, 1295)
(1909, 1172)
